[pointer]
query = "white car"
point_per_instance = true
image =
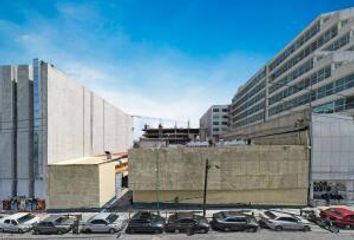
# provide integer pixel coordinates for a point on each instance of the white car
(103, 222)
(18, 222)
(279, 221)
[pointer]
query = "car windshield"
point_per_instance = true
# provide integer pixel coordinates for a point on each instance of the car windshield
(25, 218)
(61, 220)
(112, 217)
(269, 214)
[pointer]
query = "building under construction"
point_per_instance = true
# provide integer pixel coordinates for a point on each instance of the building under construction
(161, 136)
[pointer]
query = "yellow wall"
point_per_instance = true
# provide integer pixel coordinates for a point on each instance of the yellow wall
(81, 185)
(107, 176)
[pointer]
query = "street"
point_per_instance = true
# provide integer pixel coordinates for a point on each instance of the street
(263, 234)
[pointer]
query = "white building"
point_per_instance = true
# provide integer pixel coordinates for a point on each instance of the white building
(317, 66)
(214, 122)
(48, 118)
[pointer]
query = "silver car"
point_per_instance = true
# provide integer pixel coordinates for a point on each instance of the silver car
(19, 222)
(103, 223)
(279, 221)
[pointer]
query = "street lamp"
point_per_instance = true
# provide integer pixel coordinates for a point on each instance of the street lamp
(207, 167)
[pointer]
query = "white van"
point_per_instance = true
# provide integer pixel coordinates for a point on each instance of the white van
(18, 222)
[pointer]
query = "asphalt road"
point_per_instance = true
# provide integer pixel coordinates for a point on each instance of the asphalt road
(263, 234)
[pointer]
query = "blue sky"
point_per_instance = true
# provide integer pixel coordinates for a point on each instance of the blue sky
(160, 58)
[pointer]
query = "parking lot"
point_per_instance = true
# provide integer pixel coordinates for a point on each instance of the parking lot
(263, 234)
(267, 234)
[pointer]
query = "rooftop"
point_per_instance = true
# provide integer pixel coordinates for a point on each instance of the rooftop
(91, 160)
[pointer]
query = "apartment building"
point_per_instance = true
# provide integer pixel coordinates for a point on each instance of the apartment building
(316, 69)
(214, 122)
(47, 118)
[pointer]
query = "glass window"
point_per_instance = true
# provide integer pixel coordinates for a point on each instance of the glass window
(98, 221)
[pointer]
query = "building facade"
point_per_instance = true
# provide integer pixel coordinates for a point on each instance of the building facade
(215, 122)
(316, 67)
(48, 118)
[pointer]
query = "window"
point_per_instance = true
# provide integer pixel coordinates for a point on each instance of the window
(13, 222)
(216, 110)
(7, 221)
(98, 221)
(186, 221)
(225, 109)
(215, 123)
(287, 219)
(111, 218)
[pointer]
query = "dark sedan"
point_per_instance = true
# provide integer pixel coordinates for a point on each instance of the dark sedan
(187, 222)
(54, 224)
(234, 221)
(146, 222)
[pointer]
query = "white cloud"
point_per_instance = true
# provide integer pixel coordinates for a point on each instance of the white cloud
(138, 78)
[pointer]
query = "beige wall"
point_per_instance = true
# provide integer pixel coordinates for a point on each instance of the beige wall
(107, 179)
(81, 185)
(257, 174)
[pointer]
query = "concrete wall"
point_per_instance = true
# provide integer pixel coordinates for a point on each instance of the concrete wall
(82, 124)
(71, 186)
(257, 174)
(7, 126)
(45, 117)
(292, 138)
(80, 185)
(79, 123)
(24, 131)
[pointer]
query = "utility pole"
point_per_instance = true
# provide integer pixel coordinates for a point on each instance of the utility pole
(157, 183)
(310, 145)
(207, 166)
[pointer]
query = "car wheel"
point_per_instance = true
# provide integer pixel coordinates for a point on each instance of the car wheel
(347, 226)
(112, 231)
(307, 228)
(20, 231)
(204, 230)
(253, 229)
(157, 231)
(177, 230)
(60, 232)
(88, 231)
(227, 229)
(278, 228)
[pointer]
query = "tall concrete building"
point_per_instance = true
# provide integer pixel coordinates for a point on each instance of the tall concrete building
(214, 122)
(46, 118)
(316, 67)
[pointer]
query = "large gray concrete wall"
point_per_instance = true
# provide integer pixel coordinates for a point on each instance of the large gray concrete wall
(257, 174)
(7, 126)
(82, 124)
(24, 131)
(45, 117)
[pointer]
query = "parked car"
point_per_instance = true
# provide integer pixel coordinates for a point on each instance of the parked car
(103, 222)
(187, 222)
(234, 221)
(279, 221)
(18, 222)
(146, 222)
(341, 217)
(54, 224)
